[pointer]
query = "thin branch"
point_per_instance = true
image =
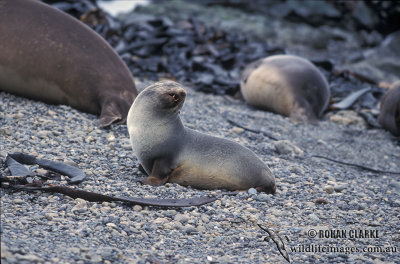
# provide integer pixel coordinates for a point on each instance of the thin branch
(355, 165)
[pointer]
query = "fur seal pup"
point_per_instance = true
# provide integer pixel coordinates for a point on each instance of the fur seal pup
(287, 85)
(50, 56)
(389, 116)
(170, 152)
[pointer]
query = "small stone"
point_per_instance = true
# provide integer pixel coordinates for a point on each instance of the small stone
(237, 130)
(5, 131)
(321, 201)
(80, 201)
(284, 147)
(111, 138)
(205, 218)
(70, 162)
(29, 257)
(177, 225)
(105, 209)
(127, 146)
(18, 201)
(252, 191)
(50, 216)
(43, 134)
(339, 187)
(328, 189)
(80, 207)
(52, 113)
(169, 213)
(89, 139)
(96, 258)
(263, 197)
(41, 171)
(182, 218)
(313, 217)
(347, 117)
(160, 221)
(137, 208)
(297, 170)
(395, 185)
(322, 142)
(217, 240)
(251, 210)
(189, 229)
(112, 225)
(18, 115)
(4, 251)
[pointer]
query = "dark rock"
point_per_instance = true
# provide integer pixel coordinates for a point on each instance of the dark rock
(382, 63)
(321, 201)
(364, 15)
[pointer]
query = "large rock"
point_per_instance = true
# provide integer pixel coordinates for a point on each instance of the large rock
(382, 64)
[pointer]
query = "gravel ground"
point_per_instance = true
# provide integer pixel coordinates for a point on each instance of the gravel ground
(53, 228)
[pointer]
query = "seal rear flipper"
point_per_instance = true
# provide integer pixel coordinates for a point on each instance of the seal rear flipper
(154, 181)
(113, 110)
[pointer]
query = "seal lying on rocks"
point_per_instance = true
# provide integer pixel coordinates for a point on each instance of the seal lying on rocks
(170, 152)
(50, 56)
(389, 116)
(287, 85)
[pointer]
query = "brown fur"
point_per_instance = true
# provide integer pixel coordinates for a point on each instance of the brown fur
(50, 56)
(287, 85)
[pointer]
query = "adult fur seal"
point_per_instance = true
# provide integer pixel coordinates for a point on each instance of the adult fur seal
(170, 152)
(389, 116)
(50, 56)
(287, 85)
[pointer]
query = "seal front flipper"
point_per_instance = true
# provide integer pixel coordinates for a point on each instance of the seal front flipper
(159, 174)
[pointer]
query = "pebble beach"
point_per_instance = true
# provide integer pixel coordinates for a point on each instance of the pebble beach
(312, 193)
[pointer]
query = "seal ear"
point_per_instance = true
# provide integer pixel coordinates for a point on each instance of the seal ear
(113, 110)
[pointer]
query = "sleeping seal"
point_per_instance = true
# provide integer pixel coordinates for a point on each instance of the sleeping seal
(50, 56)
(287, 85)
